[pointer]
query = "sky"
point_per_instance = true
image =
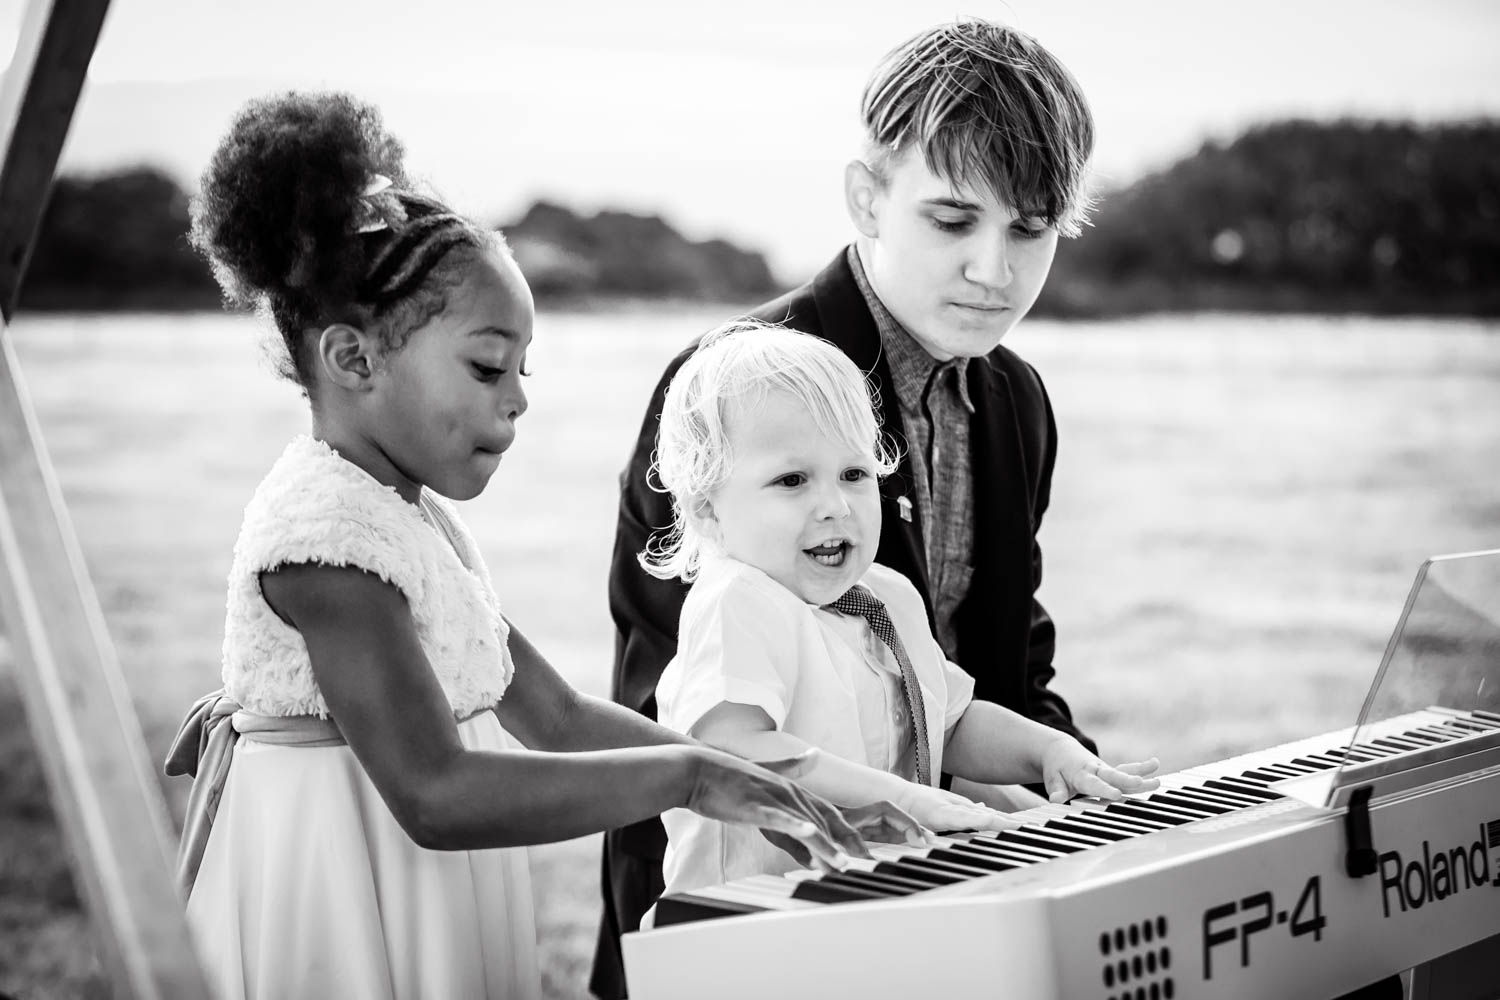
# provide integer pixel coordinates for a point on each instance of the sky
(737, 120)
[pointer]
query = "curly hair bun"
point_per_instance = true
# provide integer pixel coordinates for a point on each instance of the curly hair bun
(279, 198)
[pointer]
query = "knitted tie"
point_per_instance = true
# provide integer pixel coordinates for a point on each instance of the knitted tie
(859, 601)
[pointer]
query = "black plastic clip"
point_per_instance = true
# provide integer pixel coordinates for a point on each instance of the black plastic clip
(1360, 858)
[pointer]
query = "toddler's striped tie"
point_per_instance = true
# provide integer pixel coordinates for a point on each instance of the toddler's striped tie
(858, 600)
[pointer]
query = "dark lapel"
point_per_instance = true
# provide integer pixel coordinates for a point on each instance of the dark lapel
(845, 321)
(1002, 514)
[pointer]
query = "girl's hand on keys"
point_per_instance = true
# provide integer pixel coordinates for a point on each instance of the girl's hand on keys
(1068, 769)
(732, 790)
(886, 823)
(941, 810)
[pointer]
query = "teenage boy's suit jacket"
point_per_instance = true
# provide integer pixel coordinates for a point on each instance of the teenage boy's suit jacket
(1005, 637)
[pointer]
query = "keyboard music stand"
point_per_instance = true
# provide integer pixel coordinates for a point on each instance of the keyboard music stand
(1443, 656)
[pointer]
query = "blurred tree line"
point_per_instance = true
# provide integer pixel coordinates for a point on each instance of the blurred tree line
(1295, 215)
(618, 253)
(1299, 215)
(117, 241)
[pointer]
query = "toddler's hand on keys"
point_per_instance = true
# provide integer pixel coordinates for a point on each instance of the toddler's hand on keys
(1068, 769)
(732, 790)
(942, 810)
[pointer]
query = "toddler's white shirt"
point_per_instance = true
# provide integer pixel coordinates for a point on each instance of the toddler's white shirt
(820, 675)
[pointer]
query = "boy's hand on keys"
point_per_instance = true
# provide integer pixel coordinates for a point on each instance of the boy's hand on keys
(732, 790)
(1068, 769)
(937, 809)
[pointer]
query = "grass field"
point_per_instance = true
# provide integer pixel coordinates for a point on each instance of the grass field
(1239, 506)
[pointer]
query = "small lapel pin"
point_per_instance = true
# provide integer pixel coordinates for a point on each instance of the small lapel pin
(904, 505)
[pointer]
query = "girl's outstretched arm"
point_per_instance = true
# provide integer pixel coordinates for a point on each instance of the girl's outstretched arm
(544, 711)
(748, 731)
(391, 710)
(547, 713)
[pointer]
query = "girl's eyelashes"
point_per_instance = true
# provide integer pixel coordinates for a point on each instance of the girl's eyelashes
(791, 479)
(856, 474)
(1029, 229)
(490, 374)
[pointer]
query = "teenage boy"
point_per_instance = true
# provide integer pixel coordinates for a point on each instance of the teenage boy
(976, 146)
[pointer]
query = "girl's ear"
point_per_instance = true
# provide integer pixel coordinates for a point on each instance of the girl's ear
(347, 356)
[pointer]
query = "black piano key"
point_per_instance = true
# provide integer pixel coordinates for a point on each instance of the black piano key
(1143, 812)
(978, 859)
(1071, 836)
(1243, 787)
(1196, 805)
(1373, 748)
(1250, 787)
(1423, 737)
(1034, 835)
(1462, 729)
(823, 891)
(1436, 732)
(1290, 768)
(963, 871)
(1404, 743)
(1486, 715)
(898, 885)
(1083, 826)
(857, 880)
(1383, 746)
(1217, 796)
(685, 907)
(1133, 825)
(1012, 852)
(1163, 809)
(1283, 771)
(1315, 763)
(991, 840)
(1027, 839)
(1259, 774)
(918, 873)
(1473, 725)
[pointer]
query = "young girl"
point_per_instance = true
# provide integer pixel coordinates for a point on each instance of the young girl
(388, 714)
(791, 637)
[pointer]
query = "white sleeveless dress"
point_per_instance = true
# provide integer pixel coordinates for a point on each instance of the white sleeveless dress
(308, 887)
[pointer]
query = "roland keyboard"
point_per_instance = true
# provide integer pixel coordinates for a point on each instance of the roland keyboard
(1215, 885)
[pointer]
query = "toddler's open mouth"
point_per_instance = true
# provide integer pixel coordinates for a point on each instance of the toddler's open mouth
(831, 553)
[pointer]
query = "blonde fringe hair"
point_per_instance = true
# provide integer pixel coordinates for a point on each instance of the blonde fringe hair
(738, 364)
(990, 109)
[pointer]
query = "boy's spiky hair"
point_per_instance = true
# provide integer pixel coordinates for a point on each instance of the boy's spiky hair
(990, 109)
